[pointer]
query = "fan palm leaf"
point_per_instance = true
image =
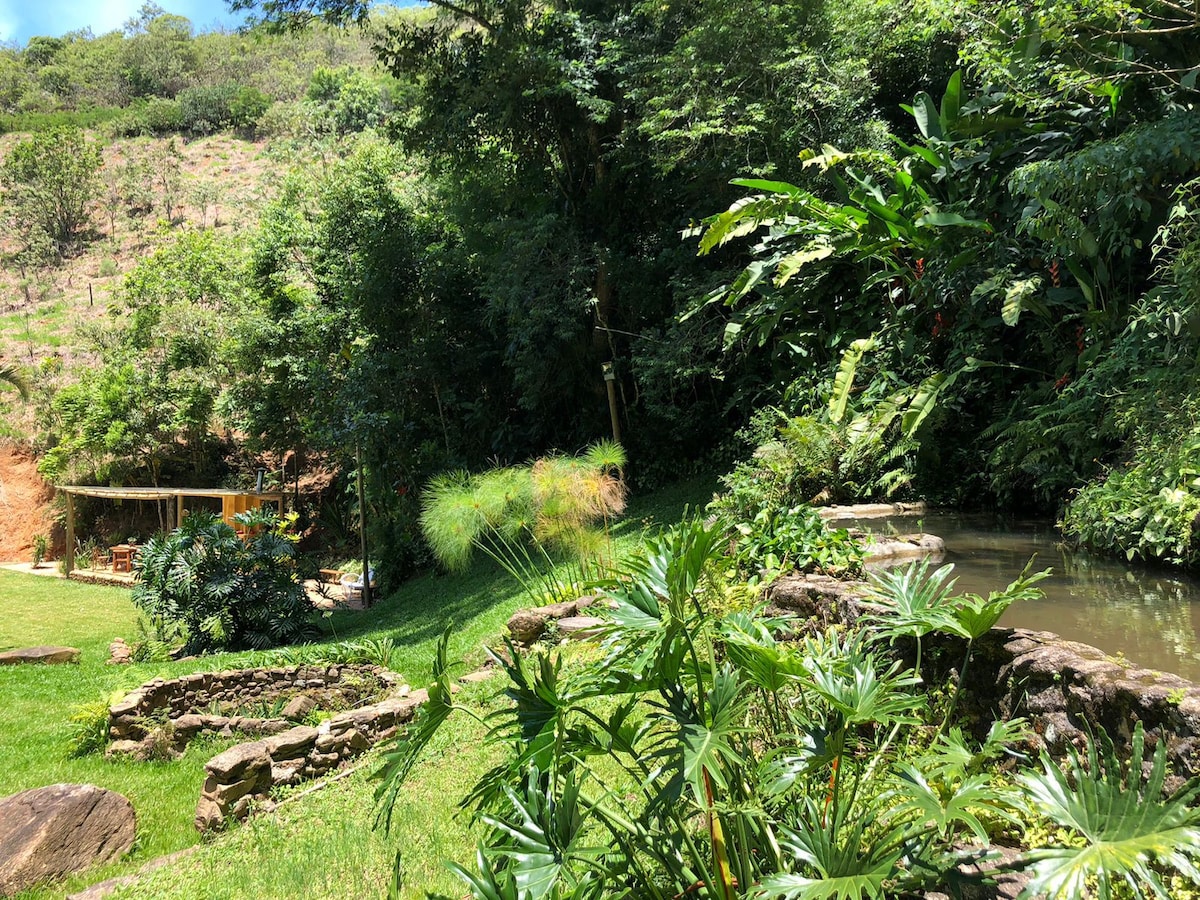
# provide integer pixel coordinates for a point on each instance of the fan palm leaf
(1129, 829)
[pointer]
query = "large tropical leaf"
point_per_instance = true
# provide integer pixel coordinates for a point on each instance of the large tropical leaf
(860, 689)
(946, 808)
(843, 381)
(834, 863)
(1129, 828)
(541, 840)
(915, 600)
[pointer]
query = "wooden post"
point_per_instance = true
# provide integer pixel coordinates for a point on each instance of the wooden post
(610, 382)
(69, 558)
(178, 510)
(362, 529)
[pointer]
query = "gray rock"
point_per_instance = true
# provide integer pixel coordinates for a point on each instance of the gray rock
(235, 762)
(291, 743)
(298, 708)
(905, 546)
(526, 626)
(478, 675)
(559, 610)
(124, 748)
(580, 628)
(52, 831)
(47, 655)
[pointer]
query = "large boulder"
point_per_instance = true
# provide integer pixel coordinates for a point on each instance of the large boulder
(48, 655)
(49, 832)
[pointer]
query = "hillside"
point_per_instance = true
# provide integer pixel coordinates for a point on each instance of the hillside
(24, 503)
(45, 314)
(223, 181)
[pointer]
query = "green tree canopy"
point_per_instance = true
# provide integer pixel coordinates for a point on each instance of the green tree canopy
(50, 179)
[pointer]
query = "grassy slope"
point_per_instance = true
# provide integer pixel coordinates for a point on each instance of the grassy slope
(319, 846)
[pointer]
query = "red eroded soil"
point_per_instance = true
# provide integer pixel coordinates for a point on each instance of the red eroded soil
(24, 503)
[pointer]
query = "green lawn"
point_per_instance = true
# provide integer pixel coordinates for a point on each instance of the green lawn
(319, 846)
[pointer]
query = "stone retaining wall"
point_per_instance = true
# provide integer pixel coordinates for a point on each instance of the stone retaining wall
(527, 626)
(187, 703)
(1062, 687)
(244, 775)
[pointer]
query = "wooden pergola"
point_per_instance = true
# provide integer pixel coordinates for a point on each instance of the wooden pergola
(232, 503)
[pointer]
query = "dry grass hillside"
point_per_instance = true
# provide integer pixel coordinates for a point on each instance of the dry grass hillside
(222, 183)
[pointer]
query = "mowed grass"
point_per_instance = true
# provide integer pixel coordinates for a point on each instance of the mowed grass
(321, 845)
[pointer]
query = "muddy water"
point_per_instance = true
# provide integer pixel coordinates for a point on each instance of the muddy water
(1152, 616)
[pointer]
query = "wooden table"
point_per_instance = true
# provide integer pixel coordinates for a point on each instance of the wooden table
(122, 557)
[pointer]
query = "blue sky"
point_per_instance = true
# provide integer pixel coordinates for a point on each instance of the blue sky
(21, 19)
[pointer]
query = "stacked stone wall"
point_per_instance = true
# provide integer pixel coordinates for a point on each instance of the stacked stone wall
(243, 776)
(1065, 689)
(163, 716)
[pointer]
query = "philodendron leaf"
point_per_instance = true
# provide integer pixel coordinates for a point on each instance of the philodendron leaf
(942, 219)
(1021, 295)
(843, 382)
(952, 100)
(925, 111)
(1128, 830)
(794, 262)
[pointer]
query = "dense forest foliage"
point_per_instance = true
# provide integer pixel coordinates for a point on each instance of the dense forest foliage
(904, 245)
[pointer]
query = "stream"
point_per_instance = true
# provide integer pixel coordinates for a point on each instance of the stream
(1151, 615)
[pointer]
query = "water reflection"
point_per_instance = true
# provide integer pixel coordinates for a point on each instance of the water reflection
(1150, 615)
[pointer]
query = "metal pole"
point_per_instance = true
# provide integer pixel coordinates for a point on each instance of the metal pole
(362, 528)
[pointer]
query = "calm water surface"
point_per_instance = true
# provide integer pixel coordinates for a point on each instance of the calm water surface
(1150, 615)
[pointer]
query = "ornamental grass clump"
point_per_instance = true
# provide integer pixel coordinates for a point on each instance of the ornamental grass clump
(532, 519)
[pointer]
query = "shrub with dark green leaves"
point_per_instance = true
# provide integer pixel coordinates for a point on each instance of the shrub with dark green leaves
(206, 109)
(224, 592)
(247, 106)
(158, 115)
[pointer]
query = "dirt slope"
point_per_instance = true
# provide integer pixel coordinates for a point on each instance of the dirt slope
(24, 504)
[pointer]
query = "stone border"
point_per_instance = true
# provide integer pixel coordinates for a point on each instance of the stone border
(527, 626)
(886, 551)
(178, 702)
(243, 776)
(872, 510)
(1063, 687)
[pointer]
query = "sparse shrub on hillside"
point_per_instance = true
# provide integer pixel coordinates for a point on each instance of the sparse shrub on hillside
(204, 110)
(158, 115)
(49, 181)
(247, 106)
(283, 119)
